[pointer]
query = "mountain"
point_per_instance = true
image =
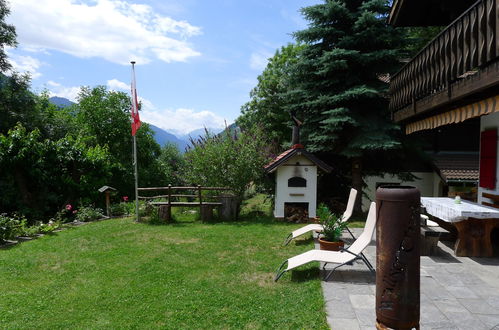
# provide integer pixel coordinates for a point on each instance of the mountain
(161, 136)
(61, 102)
(200, 132)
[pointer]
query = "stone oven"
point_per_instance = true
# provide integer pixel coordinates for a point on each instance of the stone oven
(296, 182)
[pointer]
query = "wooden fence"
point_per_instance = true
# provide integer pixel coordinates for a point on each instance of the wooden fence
(195, 198)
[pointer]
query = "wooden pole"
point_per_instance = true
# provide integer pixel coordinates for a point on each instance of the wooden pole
(200, 196)
(136, 179)
(108, 204)
(169, 195)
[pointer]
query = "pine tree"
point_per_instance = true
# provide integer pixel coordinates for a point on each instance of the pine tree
(7, 36)
(336, 86)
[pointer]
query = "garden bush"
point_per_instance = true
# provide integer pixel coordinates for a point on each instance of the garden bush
(9, 227)
(88, 213)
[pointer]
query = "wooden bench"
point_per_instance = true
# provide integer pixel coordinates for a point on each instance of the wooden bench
(430, 235)
(493, 198)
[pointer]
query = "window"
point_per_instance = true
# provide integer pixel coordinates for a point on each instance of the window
(297, 182)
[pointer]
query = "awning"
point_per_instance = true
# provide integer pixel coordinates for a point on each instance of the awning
(455, 116)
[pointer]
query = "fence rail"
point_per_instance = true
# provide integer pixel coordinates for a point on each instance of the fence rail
(170, 196)
(465, 46)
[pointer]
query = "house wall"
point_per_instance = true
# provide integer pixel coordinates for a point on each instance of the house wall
(282, 195)
(489, 122)
(428, 183)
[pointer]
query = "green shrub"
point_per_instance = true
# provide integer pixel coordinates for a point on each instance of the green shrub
(9, 227)
(88, 213)
(333, 226)
(123, 208)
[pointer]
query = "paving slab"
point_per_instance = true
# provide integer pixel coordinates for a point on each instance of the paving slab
(456, 292)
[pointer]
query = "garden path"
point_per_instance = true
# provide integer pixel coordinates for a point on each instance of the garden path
(456, 293)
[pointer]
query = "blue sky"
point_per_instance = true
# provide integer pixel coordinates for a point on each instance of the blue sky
(197, 60)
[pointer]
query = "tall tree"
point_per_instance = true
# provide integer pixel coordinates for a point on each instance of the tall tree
(104, 118)
(335, 84)
(266, 108)
(7, 36)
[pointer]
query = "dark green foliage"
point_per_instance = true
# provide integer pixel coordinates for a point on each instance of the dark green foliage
(171, 162)
(419, 37)
(332, 224)
(41, 175)
(266, 107)
(335, 84)
(7, 36)
(227, 160)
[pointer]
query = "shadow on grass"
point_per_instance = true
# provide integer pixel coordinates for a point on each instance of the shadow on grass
(304, 241)
(304, 275)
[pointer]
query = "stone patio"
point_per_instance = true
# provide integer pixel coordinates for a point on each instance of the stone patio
(456, 293)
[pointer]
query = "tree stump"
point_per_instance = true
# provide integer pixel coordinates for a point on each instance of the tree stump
(228, 209)
(165, 213)
(206, 213)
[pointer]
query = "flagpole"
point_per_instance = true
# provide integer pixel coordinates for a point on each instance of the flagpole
(137, 219)
(136, 178)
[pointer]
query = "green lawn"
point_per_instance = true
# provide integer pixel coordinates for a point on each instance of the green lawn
(121, 274)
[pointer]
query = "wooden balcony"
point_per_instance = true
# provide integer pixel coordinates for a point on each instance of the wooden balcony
(459, 66)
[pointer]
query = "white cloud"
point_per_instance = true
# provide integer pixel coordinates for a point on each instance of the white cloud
(115, 84)
(181, 121)
(259, 60)
(53, 83)
(24, 64)
(56, 89)
(111, 29)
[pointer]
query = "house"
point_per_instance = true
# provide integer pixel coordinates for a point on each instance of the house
(453, 81)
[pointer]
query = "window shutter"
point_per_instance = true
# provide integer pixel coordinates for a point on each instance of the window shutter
(488, 159)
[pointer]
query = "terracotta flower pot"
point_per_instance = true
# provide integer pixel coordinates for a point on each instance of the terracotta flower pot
(330, 246)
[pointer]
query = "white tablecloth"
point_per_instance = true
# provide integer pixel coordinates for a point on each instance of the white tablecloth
(446, 209)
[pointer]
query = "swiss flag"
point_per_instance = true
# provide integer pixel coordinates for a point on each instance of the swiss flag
(135, 105)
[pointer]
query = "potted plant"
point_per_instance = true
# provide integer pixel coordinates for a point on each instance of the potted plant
(330, 238)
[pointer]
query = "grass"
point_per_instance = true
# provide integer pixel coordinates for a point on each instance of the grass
(121, 274)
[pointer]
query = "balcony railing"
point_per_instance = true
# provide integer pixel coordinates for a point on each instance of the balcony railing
(465, 46)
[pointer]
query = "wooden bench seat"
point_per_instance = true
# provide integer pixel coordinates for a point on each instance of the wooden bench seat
(186, 203)
(430, 236)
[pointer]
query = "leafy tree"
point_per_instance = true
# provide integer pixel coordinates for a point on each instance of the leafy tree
(335, 85)
(227, 160)
(104, 119)
(266, 108)
(7, 36)
(40, 175)
(172, 162)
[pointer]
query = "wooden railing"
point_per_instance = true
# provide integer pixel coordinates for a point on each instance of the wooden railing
(172, 198)
(465, 46)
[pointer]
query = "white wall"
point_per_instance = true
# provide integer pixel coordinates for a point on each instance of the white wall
(283, 173)
(489, 122)
(428, 183)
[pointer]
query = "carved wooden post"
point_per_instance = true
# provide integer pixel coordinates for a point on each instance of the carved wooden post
(165, 213)
(206, 212)
(228, 209)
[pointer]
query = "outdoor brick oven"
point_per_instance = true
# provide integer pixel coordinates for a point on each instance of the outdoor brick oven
(296, 179)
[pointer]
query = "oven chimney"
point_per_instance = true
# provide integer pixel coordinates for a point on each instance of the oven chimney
(296, 132)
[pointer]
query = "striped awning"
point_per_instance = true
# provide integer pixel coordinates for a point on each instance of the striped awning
(455, 116)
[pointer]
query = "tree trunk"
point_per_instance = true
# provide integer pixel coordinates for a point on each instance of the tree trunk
(357, 182)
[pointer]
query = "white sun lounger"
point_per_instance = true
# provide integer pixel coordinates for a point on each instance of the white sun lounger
(318, 227)
(345, 256)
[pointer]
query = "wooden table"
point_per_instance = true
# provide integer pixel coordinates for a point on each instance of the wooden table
(474, 224)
